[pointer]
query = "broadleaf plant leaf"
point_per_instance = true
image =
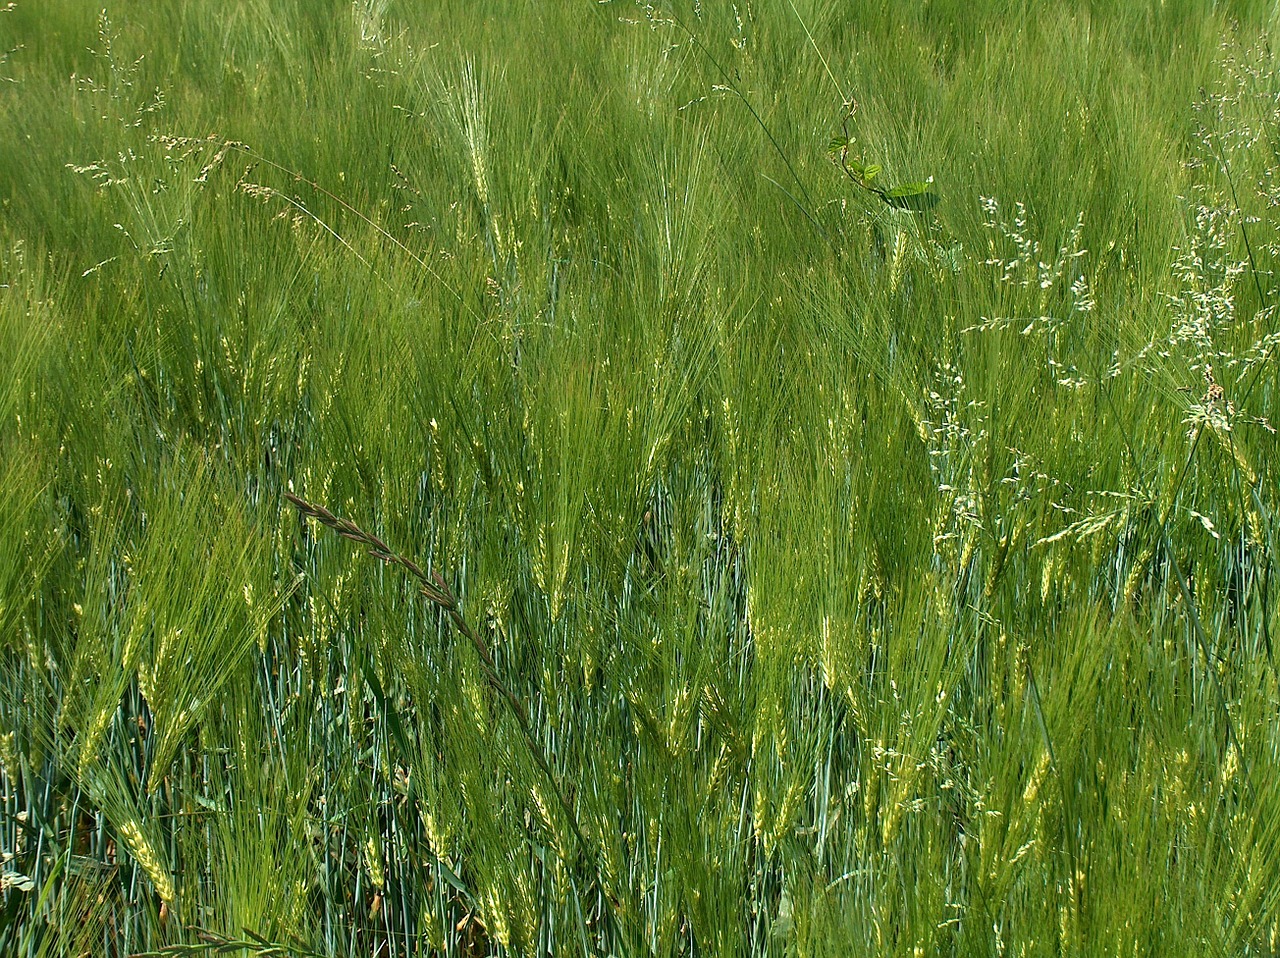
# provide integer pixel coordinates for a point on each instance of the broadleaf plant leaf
(911, 196)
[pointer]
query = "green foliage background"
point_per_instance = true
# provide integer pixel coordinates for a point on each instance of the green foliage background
(875, 581)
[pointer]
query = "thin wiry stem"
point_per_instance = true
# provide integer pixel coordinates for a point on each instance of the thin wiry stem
(437, 591)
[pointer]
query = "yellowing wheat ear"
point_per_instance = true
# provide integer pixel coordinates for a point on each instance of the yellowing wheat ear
(144, 854)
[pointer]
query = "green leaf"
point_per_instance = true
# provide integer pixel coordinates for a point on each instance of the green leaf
(870, 172)
(908, 189)
(912, 196)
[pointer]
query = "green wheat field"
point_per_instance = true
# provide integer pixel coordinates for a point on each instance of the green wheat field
(558, 478)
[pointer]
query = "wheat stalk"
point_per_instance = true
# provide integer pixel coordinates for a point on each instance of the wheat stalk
(437, 591)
